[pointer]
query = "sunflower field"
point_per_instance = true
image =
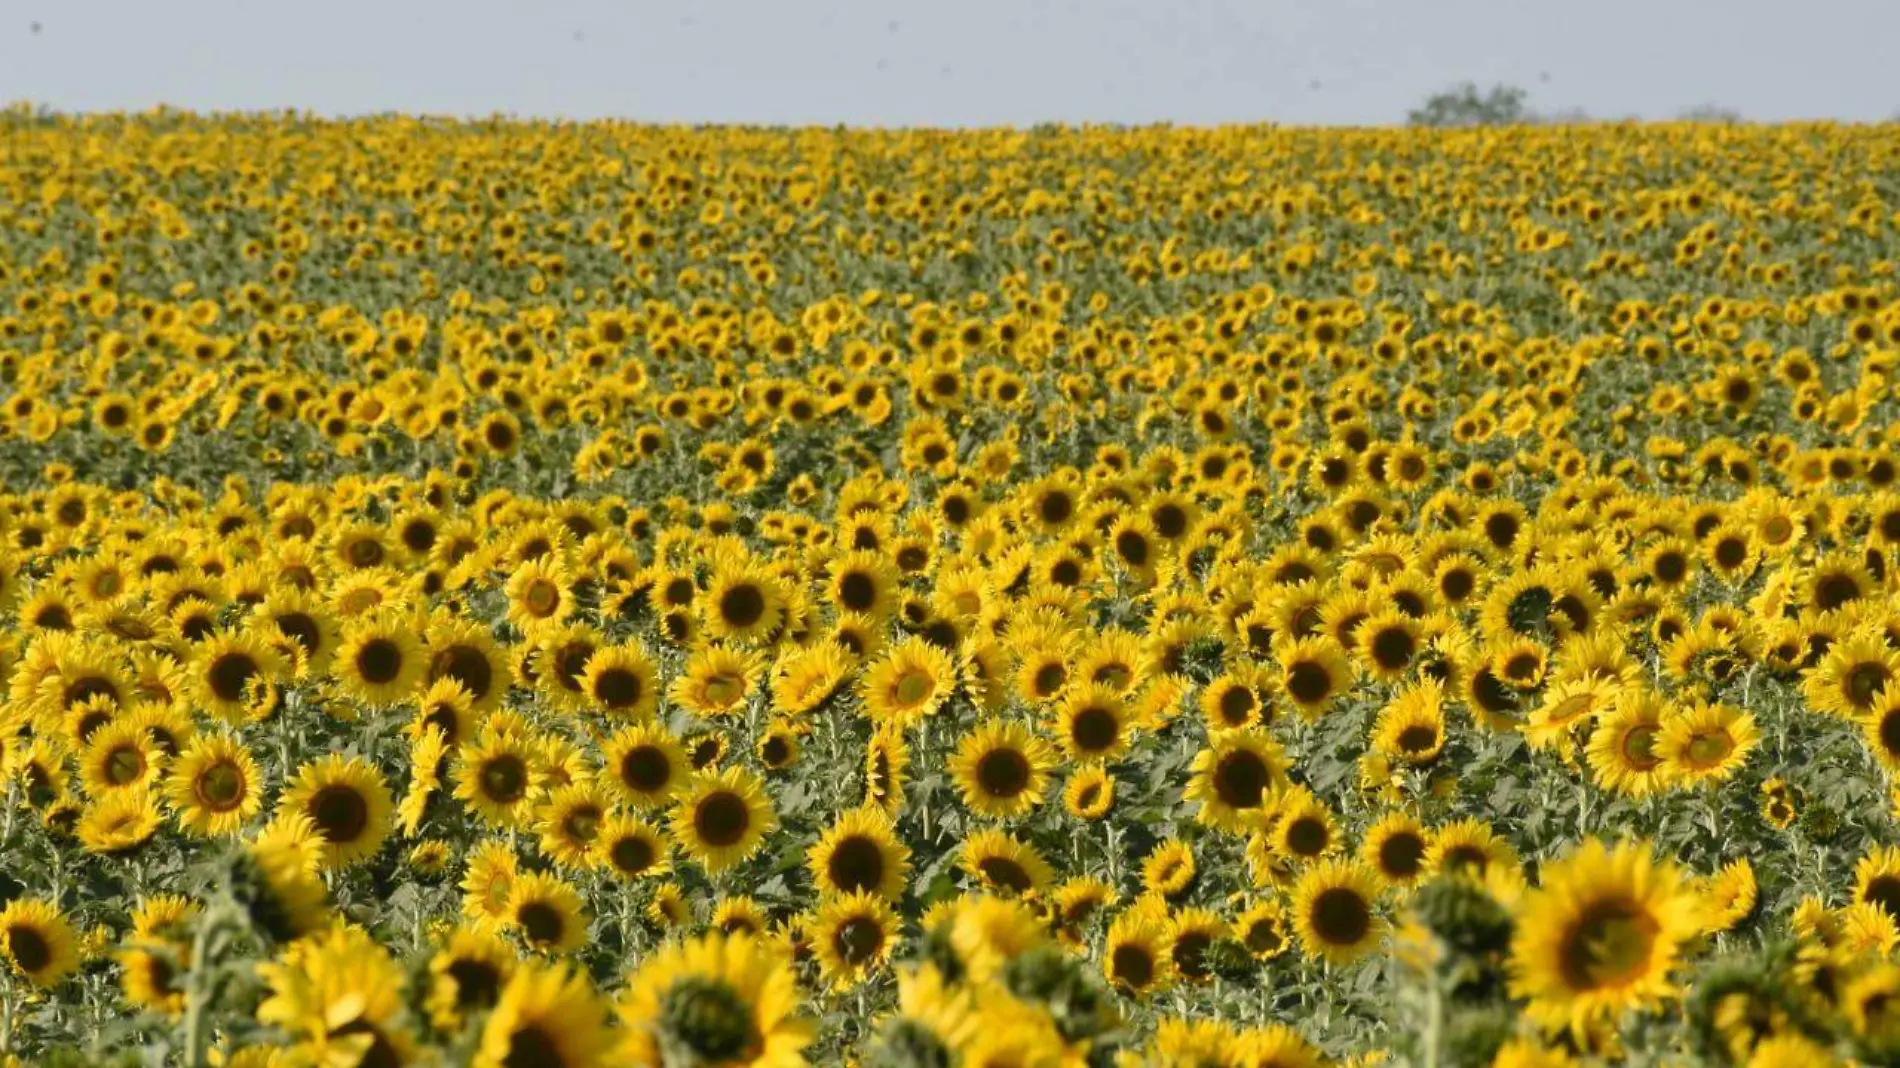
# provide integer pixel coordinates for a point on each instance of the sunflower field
(550, 595)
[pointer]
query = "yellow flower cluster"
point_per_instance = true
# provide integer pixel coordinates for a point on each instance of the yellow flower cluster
(547, 595)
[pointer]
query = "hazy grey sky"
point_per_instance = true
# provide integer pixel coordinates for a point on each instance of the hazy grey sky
(952, 61)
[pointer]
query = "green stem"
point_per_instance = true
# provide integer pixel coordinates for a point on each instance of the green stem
(202, 989)
(1434, 1018)
(6, 1017)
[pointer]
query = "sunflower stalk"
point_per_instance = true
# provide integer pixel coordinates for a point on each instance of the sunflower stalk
(207, 978)
(6, 1013)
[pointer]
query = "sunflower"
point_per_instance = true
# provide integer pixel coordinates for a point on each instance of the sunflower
(309, 628)
(909, 683)
(885, 758)
(1600, 935)
(464, 652)
(1335, 910)
(1135, 955)
(1880, 728)
(1877, 880)
(780, 746)
(633, 848)
(548, 913)
(119, 822)
(620, 681)
(1313, 671)
(669, 909)
(548, 1016)
(744, 604)
(1004, 863)
(379, 661)
(496, 776)
(214, 786)
(1262, 929)
(1396, 845)
(859, 638)
(805, 679)
(1412, 726)
(167, 726)
(443, 709)
(157, 954)
(489, 880)
(1168, 871)
(724, 1000)
(38, 941)
(569, 822)
(467, 975)
(284, 897)
(1468, 847)
(1280, 1046)
(1851, 676)
(1092, 722)
(1002, 769)
(1236, 699)
(119, 756)
(540, 595)
(860, 853)
(739, 915)
(226, 667)
(852, 935)
(1566, 709)
(340, 997)
(1191, 933)
(348, 803)
(1042, 673)
(935, 1020)
(1076, 904)
(1729, 895)
(1386, 644)
(40, 768)
(1837, 580)
(1300, 827)
(721, 818)
(1235, 775)
(1622, 750)
(559, 663)
(647, 764)
(717, 681)
(1113, 659)
(1705, 743)
(1089, 793)
(863, 582)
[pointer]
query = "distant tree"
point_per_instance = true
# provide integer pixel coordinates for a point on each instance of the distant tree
(1465, 105)
(1711, 113)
